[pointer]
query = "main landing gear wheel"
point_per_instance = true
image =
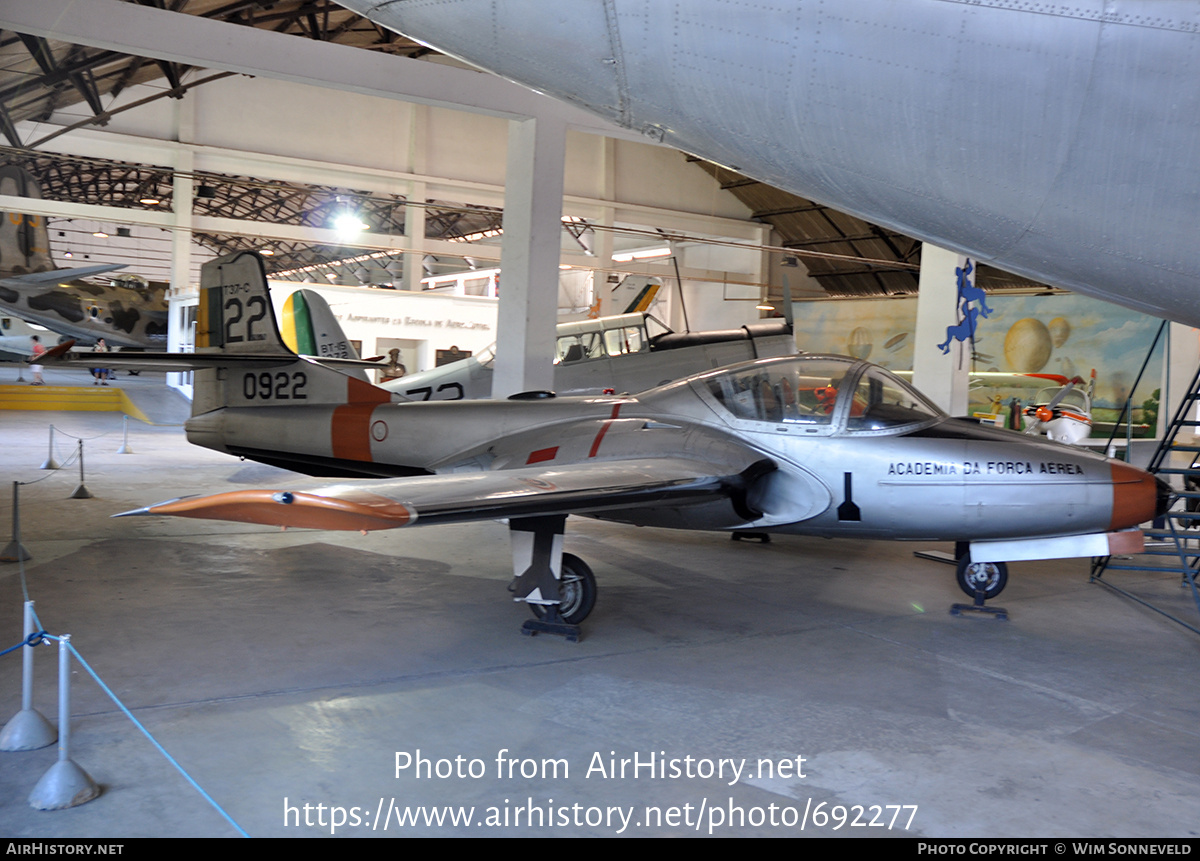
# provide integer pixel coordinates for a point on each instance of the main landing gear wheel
(577, 589)
(991, 577)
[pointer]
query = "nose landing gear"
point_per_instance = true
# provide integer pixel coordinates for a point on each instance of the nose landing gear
(980, 580)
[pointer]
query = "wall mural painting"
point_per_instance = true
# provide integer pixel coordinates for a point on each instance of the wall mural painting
(1064, 335)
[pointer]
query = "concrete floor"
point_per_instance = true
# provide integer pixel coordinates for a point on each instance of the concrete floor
(291, 668)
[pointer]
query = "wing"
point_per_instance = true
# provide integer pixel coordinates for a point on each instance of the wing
(54, 276)
(593, 488)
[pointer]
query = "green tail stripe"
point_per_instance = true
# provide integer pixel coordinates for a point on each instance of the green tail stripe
(306, 342)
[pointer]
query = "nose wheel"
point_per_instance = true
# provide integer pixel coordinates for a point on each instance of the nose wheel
(990, 578)
(980, 580)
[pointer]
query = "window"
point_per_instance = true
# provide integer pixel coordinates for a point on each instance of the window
(577, 348)
(882, 402)
(796, 392)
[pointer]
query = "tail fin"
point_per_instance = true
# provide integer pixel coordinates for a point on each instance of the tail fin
(24, 240)
(236, 321)
(645, 296)
(235, 313)
(310, 328)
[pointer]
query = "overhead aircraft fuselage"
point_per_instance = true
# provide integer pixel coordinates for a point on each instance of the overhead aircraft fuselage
(1056, 141)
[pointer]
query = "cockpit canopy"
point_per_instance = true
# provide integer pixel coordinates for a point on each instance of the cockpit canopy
(830, 394)
(1075, 399)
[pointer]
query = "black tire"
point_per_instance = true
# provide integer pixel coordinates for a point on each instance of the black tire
(992, 575)
(577, 588)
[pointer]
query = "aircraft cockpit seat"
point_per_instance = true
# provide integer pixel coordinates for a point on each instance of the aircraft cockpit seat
(574, 354)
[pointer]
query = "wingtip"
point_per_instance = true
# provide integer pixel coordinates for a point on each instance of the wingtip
(148, 510)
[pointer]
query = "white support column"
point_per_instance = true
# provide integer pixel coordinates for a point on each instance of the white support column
(762, 270)
(414, 234)
(529, 256)
(943, 376)
(182, 192)
(602, 246)
(182, 195)
(414, 213)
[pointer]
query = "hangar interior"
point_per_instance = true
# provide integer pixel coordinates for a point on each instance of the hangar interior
(292, 669)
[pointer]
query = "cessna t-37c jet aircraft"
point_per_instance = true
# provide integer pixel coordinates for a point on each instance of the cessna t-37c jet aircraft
(814, 445)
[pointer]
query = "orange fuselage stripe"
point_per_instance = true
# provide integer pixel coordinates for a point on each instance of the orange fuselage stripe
(350, 430)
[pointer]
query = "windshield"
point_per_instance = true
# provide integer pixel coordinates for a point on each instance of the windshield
(883, 402)
(820, 391)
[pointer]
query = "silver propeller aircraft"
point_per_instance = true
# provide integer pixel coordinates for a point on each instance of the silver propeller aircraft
(813, 445)
(591, 357)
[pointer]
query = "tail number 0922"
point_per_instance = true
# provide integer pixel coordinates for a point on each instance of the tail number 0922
(278, 386)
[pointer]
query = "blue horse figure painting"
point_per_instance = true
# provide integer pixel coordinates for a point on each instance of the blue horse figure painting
(967, 293)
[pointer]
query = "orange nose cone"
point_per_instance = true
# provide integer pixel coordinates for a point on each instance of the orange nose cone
(1044, 414)
(1135, 496)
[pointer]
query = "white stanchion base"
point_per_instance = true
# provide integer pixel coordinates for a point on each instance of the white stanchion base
(28, 730)
(64, 785)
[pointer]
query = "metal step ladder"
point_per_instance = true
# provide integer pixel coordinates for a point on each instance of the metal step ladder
(1172, 545)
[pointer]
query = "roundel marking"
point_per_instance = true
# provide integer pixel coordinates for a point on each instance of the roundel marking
(379, 431)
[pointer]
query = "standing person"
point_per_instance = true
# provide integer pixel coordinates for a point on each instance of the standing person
(100, 375)
(36, 366)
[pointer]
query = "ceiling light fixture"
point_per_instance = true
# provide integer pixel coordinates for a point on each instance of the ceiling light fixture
(644, 254)
(348, 224)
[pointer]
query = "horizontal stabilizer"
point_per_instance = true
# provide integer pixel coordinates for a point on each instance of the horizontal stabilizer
(175, 362)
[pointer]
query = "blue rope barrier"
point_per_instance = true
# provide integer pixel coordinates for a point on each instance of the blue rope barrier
(112, 696)
(33, 639)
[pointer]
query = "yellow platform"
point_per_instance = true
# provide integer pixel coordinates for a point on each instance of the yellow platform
(95, 399)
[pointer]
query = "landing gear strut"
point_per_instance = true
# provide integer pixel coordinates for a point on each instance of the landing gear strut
(559, 603)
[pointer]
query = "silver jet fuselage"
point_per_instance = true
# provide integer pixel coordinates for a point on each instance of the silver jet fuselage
(849, 449)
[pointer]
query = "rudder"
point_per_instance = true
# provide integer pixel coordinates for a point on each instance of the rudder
(24, 240)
